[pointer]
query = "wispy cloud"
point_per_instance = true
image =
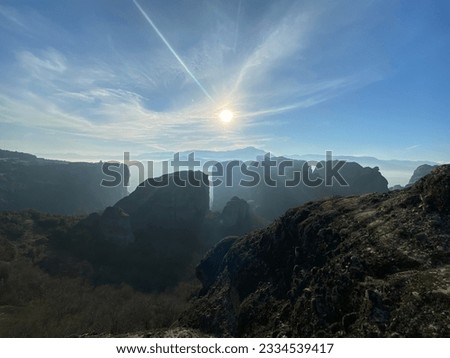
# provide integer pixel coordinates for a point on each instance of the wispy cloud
(41, 67)
(280, 41)
(144, 96)
(10, 16)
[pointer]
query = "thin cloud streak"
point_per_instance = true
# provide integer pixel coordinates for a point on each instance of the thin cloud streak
(236, 33)
(161, 36)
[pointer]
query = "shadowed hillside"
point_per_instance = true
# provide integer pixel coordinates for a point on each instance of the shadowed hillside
(56, 187)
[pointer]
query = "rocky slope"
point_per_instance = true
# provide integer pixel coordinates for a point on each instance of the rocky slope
(376, 265)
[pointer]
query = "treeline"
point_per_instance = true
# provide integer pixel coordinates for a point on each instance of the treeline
(34, 304)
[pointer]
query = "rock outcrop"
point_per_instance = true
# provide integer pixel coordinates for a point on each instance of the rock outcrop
(420, 172)
(151, 239)
(289, 183)
(358, 180)
(376, 265)
(177, 201)
(236, 217)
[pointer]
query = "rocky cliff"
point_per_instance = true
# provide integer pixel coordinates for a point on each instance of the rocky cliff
(57, 187)
(420, 172)
(288, 183)
(358, 180)
(150, 239)
(177, 201)
(377, 265)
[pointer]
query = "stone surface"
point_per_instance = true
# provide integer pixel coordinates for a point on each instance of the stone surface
(376, 265)
(173, 201)
(420, 172)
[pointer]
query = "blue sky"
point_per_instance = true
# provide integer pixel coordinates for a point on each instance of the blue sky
(355, 77)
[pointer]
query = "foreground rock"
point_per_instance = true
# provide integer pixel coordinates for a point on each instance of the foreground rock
(377, 265)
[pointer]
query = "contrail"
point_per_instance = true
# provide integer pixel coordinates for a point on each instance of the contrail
(171, 49)
(237, 25)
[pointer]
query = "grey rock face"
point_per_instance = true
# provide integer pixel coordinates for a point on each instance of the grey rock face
(360, 180)
(170, 206)
(236, 213)
(287, 186)
(376, 265)
(420, 172)
(210, 266)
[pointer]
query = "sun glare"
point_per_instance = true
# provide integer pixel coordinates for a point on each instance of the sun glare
(226, 116)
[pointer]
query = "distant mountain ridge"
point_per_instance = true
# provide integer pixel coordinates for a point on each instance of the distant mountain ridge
(247, 153)
(396, 171)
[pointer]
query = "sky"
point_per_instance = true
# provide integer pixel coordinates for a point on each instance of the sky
(101, 77)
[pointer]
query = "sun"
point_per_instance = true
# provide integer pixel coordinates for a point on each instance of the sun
(226, 116)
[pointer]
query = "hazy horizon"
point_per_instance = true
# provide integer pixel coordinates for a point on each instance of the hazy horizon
(397, 172)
